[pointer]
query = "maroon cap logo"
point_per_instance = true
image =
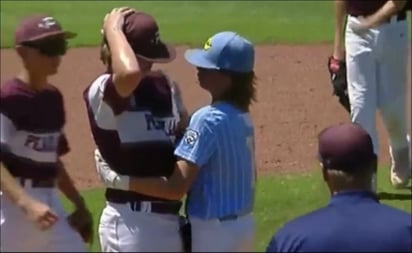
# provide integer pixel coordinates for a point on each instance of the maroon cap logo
(156, 38)
(47, 23)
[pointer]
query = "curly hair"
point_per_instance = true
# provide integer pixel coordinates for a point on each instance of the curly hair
(242, 91)
(105, 52)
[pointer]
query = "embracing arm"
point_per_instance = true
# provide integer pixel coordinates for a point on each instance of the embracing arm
(173, 188)
(340, 10)
(194, 151)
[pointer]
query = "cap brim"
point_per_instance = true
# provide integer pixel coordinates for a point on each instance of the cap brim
(50, 35)
(165, 53)
(198, 58)
(69, 35)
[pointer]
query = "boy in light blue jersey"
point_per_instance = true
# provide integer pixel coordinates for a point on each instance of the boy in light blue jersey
(216, 158)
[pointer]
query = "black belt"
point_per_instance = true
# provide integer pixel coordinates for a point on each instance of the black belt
(399, 17)
(153, 206)
(229, 217)
(37, 183)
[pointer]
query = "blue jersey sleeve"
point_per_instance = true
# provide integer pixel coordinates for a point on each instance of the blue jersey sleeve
(199, 141)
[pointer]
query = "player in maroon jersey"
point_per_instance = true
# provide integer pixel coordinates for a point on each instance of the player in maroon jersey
(32, 120)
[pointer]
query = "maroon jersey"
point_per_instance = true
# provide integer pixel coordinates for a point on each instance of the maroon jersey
(31, 131)
(364, 7)
(135, 135)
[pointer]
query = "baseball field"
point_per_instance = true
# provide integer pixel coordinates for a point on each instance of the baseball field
(294, 92)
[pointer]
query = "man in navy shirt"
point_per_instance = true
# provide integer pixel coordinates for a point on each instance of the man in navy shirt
(354, 220)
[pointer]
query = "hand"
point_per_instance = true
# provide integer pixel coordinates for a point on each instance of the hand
(334, 65)
(115, 19)
(81, 220)
(363, 25)
(39, 213)
(360, 28)
(108, 176)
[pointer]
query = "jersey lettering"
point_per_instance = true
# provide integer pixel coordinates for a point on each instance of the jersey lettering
(167, 125)
(42, 143)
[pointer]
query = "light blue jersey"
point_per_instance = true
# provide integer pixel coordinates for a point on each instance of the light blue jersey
(220, 141)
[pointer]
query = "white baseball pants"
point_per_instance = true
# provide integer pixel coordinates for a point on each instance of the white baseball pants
(223, 236)
(124, 230)
(18, 234)
(377, 74)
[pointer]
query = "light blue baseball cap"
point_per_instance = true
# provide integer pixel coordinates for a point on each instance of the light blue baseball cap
(224, 51)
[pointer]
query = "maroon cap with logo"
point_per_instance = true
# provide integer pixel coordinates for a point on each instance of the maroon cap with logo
(39, 27)
(142, 33)
(347, 147)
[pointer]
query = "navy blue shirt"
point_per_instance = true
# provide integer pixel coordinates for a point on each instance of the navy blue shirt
(353, 221)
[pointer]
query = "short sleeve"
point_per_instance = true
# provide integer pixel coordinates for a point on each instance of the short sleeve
(7, 131)
(110, 95)
(102, 93)
(199, 140)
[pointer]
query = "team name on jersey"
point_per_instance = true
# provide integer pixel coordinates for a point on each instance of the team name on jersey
(43, 143)
(168, 125)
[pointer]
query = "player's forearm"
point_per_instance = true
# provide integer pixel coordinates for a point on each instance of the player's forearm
(156, 187)
(340, 10)
(66, 186)
(11, 188)
(173, 188)
(389, 9)
(122, 56)
(126, 70)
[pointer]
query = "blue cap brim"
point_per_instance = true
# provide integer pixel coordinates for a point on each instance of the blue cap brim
(198, 58)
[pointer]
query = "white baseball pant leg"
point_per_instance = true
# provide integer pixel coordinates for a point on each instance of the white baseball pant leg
(124, 230)
(18, 234)
(376, 70)
(223, 236)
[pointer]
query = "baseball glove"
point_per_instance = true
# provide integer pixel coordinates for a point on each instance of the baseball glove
(81, 220)
(337, 72)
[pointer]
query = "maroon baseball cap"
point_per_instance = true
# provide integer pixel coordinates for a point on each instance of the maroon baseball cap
(40, 27)
(347, 147)
(142, 33)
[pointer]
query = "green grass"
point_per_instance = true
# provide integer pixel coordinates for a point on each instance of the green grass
(189, 23)
(279, 199)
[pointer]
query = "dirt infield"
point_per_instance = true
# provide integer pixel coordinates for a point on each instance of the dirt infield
(294, 93)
